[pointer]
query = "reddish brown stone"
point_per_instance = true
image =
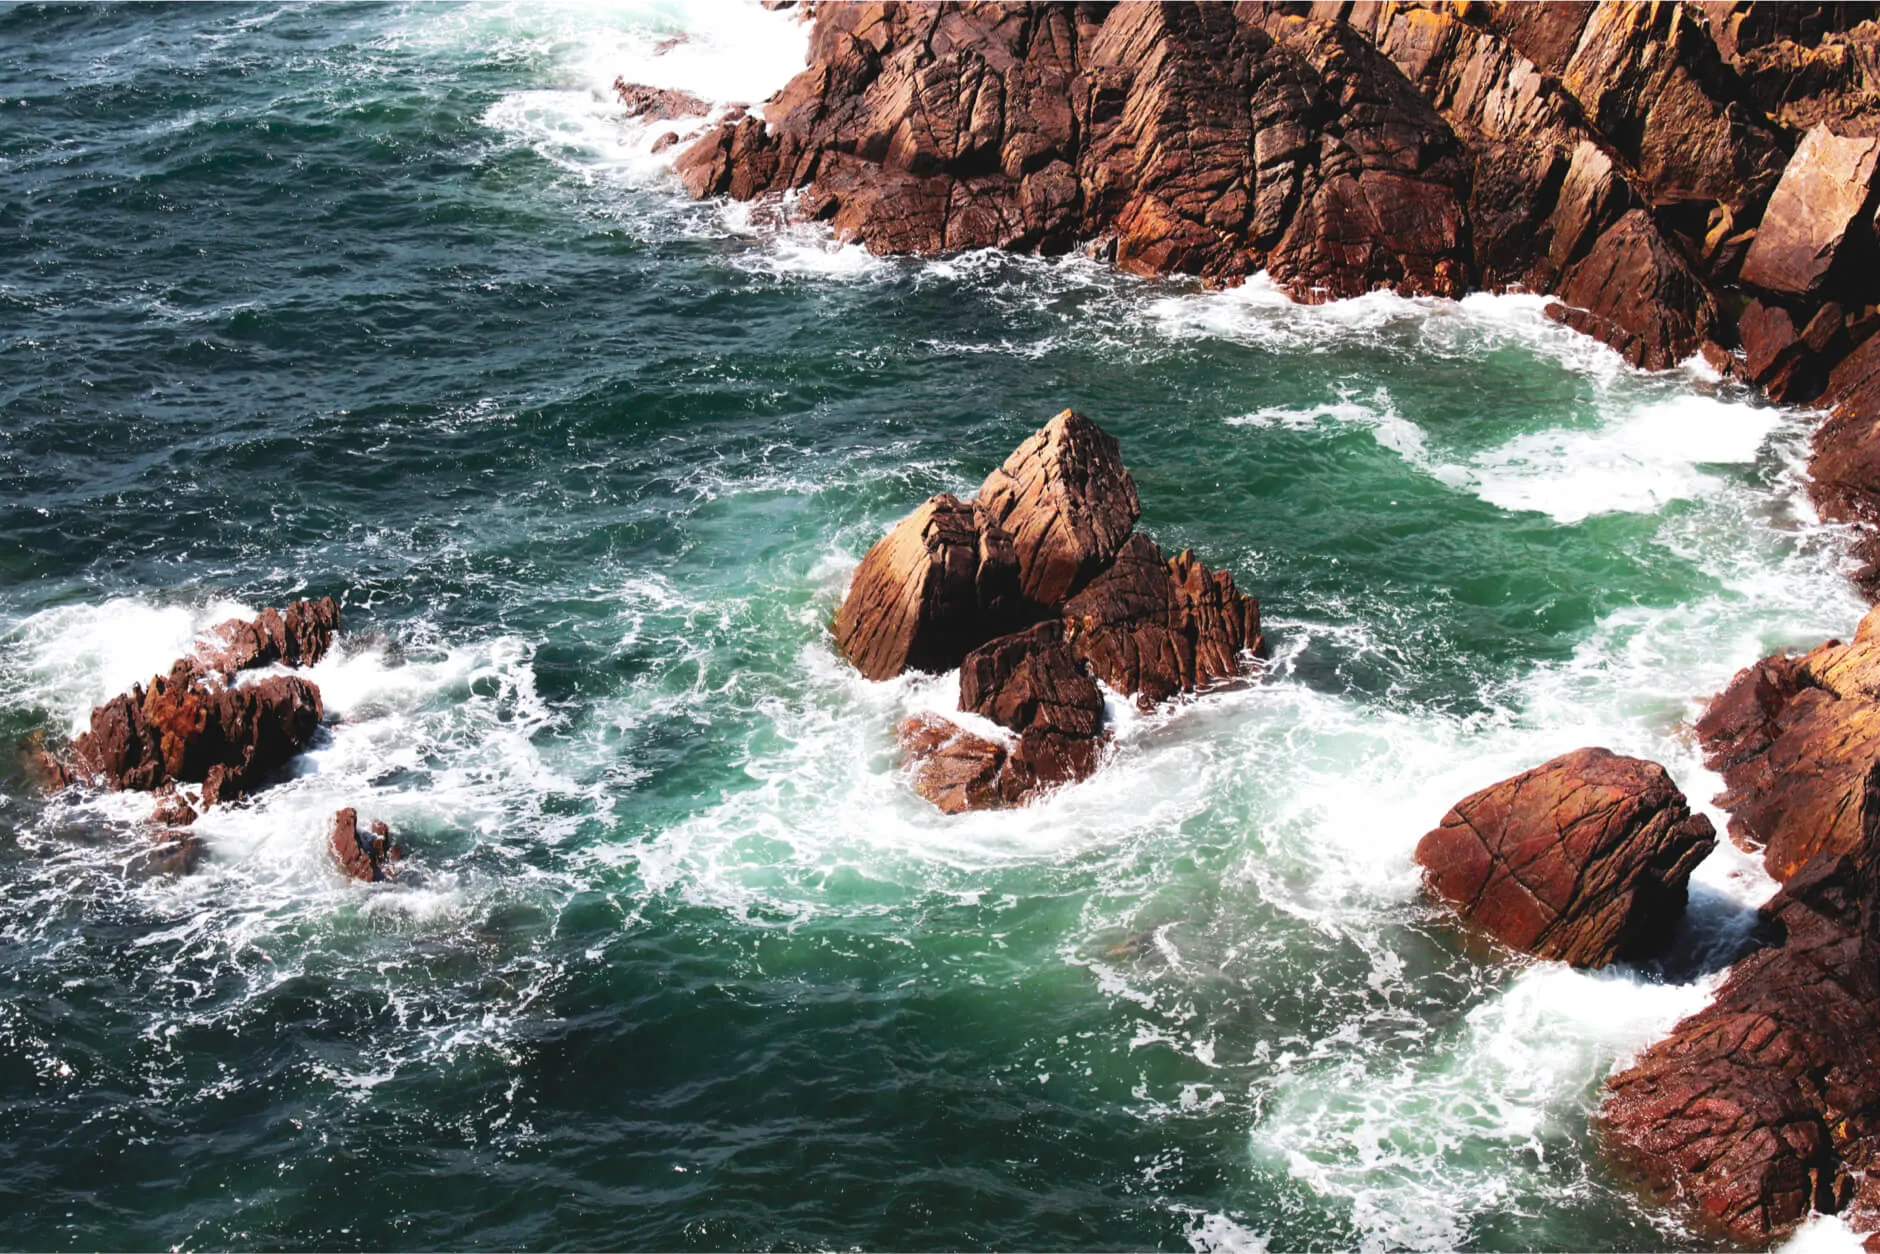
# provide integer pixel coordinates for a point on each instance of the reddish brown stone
(1584, 859)
(1766, 1104)
(370, 856)
(1826, 193)
(1068, 503)
(658, 104)
(943, 581)
(1636, 293)
(957, 770)
(1034, 685)
(1793, 738)
(300, 635)
(1158, 627)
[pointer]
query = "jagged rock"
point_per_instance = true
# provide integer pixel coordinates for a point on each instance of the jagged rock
(1792, 738)
(1033, 684)
(1068, 503)
(173, 810)
(943, 581)
(1766, 1103)
(659, 104)
(367, 856)
(300, 635)
(957, 770)
(1584, 858)
(1158, 627)
(1826, 193)
(1636, 293)
(188, 727)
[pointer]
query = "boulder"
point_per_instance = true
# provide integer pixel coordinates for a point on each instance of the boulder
(1068, 503)
(1792, 738)
(1826, 195)
(956, 769)
(368, 855)
(1765, 1105)
(1154, 627)
(943, 581)
(1031, 683)
(1634, 291)
(1584, 859)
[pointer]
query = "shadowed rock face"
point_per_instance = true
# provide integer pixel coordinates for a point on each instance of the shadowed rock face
(1766, 1103)
(1793, 738)
(1584, 859)
(948, 585)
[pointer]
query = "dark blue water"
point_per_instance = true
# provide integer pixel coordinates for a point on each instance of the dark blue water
(391, 303)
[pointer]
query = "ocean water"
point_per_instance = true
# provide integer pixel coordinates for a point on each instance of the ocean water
(391, 303)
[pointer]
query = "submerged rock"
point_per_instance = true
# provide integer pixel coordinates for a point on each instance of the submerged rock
(1765, 1105)
(1584, 859)
(370, 855)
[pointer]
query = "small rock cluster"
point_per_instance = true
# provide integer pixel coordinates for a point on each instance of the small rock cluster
(1037, 589)
(202, 724)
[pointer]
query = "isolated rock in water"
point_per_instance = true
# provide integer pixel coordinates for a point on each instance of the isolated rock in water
(1826, 189)
(173, 810)
(368, 855)
(187, 727)
(942, 582)
(955, 769)
(300, 635)
(659, 104)
(1766, 1103)
(1792, 738)
(1034, 685)
(1157, 627)
(1584, 858)
(1068, 503)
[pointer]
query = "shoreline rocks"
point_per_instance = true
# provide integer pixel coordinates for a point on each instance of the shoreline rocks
(370, 856)
(1695, 176)
(1037, 589)
(1584, 859)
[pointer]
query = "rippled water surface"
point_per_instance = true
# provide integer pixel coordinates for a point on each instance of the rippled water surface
(392, 303)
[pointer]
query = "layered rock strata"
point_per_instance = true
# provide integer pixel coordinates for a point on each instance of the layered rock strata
(1037, 589)
(1584, 859)
(1683, 175)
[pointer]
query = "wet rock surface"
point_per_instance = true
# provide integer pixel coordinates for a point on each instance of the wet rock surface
(984, 585)
(1792, 738)
(1584, 859)
(369, 855)
(1766, 1104)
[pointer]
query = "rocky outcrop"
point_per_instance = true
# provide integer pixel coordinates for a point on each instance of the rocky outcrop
(658, 104)
(1684, 175)
(370, 855)
(1766, 1104)
(1584, 859)
(205, 722)
(1792, 738)
(1037, 590)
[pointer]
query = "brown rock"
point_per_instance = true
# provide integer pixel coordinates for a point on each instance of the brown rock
(943, 581)
(368, 856)
(300, 635)
(957, 770)
(659, 104)
(187, 727)
(1584, 859)
(1793, 738)
(1636, 293)
(1033, 684)
(1766, 1104)
(173, 810)
(1826, 193)
(1068, 503)
(1155, 627)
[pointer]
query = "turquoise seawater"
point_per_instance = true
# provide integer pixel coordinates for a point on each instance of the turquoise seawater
(391, 303)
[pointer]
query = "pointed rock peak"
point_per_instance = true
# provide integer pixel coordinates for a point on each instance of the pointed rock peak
(1067, 501)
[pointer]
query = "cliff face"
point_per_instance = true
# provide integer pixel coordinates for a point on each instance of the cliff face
(1684, 176)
